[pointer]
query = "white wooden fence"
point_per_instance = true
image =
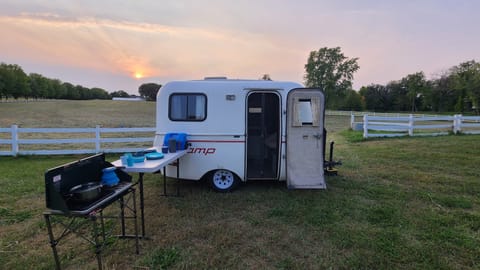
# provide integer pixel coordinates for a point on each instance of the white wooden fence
(85, 137)
(418, 125)
(389, 125)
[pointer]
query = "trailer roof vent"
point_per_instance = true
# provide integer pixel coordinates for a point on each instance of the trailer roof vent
(215, 78)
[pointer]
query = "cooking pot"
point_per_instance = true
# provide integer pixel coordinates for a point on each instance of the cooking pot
(85, 192)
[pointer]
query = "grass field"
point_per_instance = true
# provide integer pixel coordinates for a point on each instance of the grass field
(78, 113)
(405, 203)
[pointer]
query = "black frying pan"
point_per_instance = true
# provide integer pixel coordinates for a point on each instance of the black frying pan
(85, 192)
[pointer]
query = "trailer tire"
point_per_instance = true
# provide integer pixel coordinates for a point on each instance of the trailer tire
(223, 180)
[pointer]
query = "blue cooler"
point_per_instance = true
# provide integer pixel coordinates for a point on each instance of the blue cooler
(180, 138)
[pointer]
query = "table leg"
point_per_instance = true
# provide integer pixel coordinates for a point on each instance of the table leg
(135, 217)
(122, 215)
(142, 206)
(104, 237)
(98, 245)
(177, 164)
(53, 242)
(164, 181)
(178, 177)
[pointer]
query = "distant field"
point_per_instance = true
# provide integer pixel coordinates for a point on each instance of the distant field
(72, 114)
(403, 203)
(89, 113)
(83, 113)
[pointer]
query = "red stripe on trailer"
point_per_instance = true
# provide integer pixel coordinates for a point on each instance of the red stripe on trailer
(216, 141)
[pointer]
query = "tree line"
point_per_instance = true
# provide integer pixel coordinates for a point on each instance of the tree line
(456, 90)
(15, 83)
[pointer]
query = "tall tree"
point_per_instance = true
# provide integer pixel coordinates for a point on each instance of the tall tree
(416, 85)
(400, 101)
(70, 92)
(443, 96)
(352, 102)
(466, 78)
(332, 71)
(119, 93)
(99, 93)
(4, 77)
(14, 81)
(57, 89)
(149, 91)
(377, 97)
(35, 82)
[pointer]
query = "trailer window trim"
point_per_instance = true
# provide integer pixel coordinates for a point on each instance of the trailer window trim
(187, 107)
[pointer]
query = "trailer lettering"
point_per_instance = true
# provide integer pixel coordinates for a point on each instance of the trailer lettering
(201, 150)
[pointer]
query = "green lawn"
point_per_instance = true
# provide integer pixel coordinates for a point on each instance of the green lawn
(403, 203)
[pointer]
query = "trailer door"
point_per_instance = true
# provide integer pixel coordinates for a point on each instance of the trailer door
(305, 142)
(263, 135)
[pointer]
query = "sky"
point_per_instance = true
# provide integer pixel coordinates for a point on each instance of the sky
(121, 44)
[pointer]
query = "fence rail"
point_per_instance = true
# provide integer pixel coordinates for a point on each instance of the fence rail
(385, 126)
(85, 144)
(15, 140)
(386, 114)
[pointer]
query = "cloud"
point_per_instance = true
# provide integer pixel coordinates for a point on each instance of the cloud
(125, 47)
(187, 39)
(88, 42)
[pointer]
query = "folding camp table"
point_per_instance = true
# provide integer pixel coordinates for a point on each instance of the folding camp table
(152, 166)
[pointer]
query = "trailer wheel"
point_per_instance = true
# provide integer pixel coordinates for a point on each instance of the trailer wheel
(223, 180)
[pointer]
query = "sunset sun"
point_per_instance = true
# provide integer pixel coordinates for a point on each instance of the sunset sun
(138, 75)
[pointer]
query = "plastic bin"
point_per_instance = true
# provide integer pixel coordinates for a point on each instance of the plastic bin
(180, 138)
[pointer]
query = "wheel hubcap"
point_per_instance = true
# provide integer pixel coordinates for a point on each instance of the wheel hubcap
(223, 179)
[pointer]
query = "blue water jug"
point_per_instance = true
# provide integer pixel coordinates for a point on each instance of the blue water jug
(109, 177)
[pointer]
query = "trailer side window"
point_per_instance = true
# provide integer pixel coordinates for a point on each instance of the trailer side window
(187, 107)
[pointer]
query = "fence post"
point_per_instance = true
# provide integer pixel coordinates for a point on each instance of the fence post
(97, 139)
(457, 123)
(410, 125)
(352, 120)
(365, 126)
(14, 140)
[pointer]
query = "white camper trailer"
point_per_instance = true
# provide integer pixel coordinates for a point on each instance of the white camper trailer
(242, 130)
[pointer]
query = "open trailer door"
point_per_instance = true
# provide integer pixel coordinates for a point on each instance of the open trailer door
(305, 142)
